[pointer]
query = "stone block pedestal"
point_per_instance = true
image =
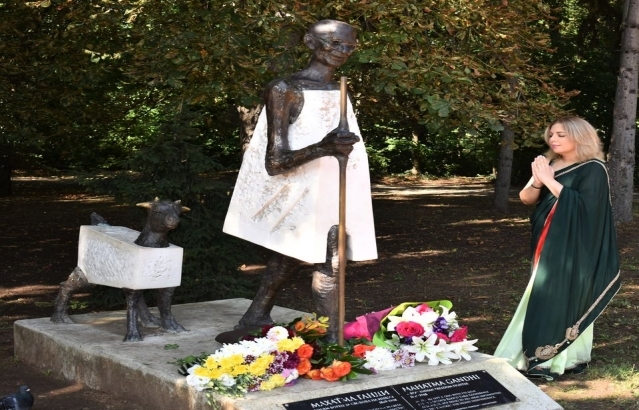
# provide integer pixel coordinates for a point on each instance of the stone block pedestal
(91, 351)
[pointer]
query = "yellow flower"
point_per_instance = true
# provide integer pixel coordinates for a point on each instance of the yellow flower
(234, 360)
(267, 385)
(211, 363)
(290, 345)
(215, 373)
(201, 371)
(297, 342)
(237, 370)
(277, 380)
(212, 373)
(259, 366)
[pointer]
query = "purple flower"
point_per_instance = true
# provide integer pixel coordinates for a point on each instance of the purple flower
(292, 361)
(404, 358)
(440, 325)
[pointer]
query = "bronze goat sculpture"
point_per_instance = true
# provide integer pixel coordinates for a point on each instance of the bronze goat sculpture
(163, 216)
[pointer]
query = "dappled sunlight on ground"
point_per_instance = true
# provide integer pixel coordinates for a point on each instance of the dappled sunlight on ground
(427, 252)
(619, 340)
(490, 222)
(27, 290)
(577, 394)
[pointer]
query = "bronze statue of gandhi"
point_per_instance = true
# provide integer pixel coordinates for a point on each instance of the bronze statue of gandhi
(285, 155)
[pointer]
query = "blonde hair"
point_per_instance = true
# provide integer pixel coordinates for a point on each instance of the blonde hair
(587, 142)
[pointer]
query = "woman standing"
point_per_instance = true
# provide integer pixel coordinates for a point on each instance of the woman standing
(575, 264)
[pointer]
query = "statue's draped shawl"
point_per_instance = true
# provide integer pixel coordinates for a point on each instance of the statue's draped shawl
(577, 273)
(292, 213)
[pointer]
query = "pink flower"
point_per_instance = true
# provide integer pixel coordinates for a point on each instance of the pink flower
(443, 337)
(356, 330)
(423, 308)
(460, 334)
(366, 325)
(409, 329)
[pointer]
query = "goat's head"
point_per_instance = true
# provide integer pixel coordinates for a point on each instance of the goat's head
(163, 216)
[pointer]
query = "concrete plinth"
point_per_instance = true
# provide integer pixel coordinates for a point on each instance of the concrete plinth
(91, 351)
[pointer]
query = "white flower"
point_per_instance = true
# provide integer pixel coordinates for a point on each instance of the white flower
(277, 333)
(227, 380)
(254, 348)
(425, 349)
(290, 375)
(427, 319)
(463, 348)
(451, 317)
(445, 354)
(380, 359)
(198, 382)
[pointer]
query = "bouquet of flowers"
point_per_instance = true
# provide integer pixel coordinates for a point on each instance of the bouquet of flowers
(275, 357)
(279, 354)
(249, 365)
(429, 331)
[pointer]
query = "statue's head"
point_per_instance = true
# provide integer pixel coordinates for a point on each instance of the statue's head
(331, 41)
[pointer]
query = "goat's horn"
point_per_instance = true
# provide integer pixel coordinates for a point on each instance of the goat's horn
(184, 208)
(144, 205)
(156, 199)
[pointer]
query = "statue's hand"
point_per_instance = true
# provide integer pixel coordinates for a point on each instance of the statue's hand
(338, 143)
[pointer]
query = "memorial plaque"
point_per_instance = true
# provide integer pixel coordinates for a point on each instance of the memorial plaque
(465, 391)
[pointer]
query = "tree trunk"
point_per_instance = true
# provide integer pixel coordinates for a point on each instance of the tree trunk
(621, 157)
(504, 170)
(248, 120)
(505, 165)
(416, 155)
(5, 173)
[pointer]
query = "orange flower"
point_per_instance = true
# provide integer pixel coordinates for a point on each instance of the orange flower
(360, 350)
(304, 366)
(328, 374)
(341, 369)
(305, 351)
(299, 326)
(314, 374)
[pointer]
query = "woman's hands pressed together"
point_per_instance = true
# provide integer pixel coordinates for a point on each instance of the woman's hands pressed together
(543, 174)
(542, 171)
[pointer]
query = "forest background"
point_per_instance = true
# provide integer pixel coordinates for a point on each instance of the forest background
(143, 99)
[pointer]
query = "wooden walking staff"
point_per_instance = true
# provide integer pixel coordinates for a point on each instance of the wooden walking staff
(341, 236)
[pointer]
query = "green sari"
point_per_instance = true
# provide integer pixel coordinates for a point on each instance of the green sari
(575, 272)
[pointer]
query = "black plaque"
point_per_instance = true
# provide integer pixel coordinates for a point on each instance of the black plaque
(465, 391)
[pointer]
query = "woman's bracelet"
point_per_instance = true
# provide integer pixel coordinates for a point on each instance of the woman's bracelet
(536, 187)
